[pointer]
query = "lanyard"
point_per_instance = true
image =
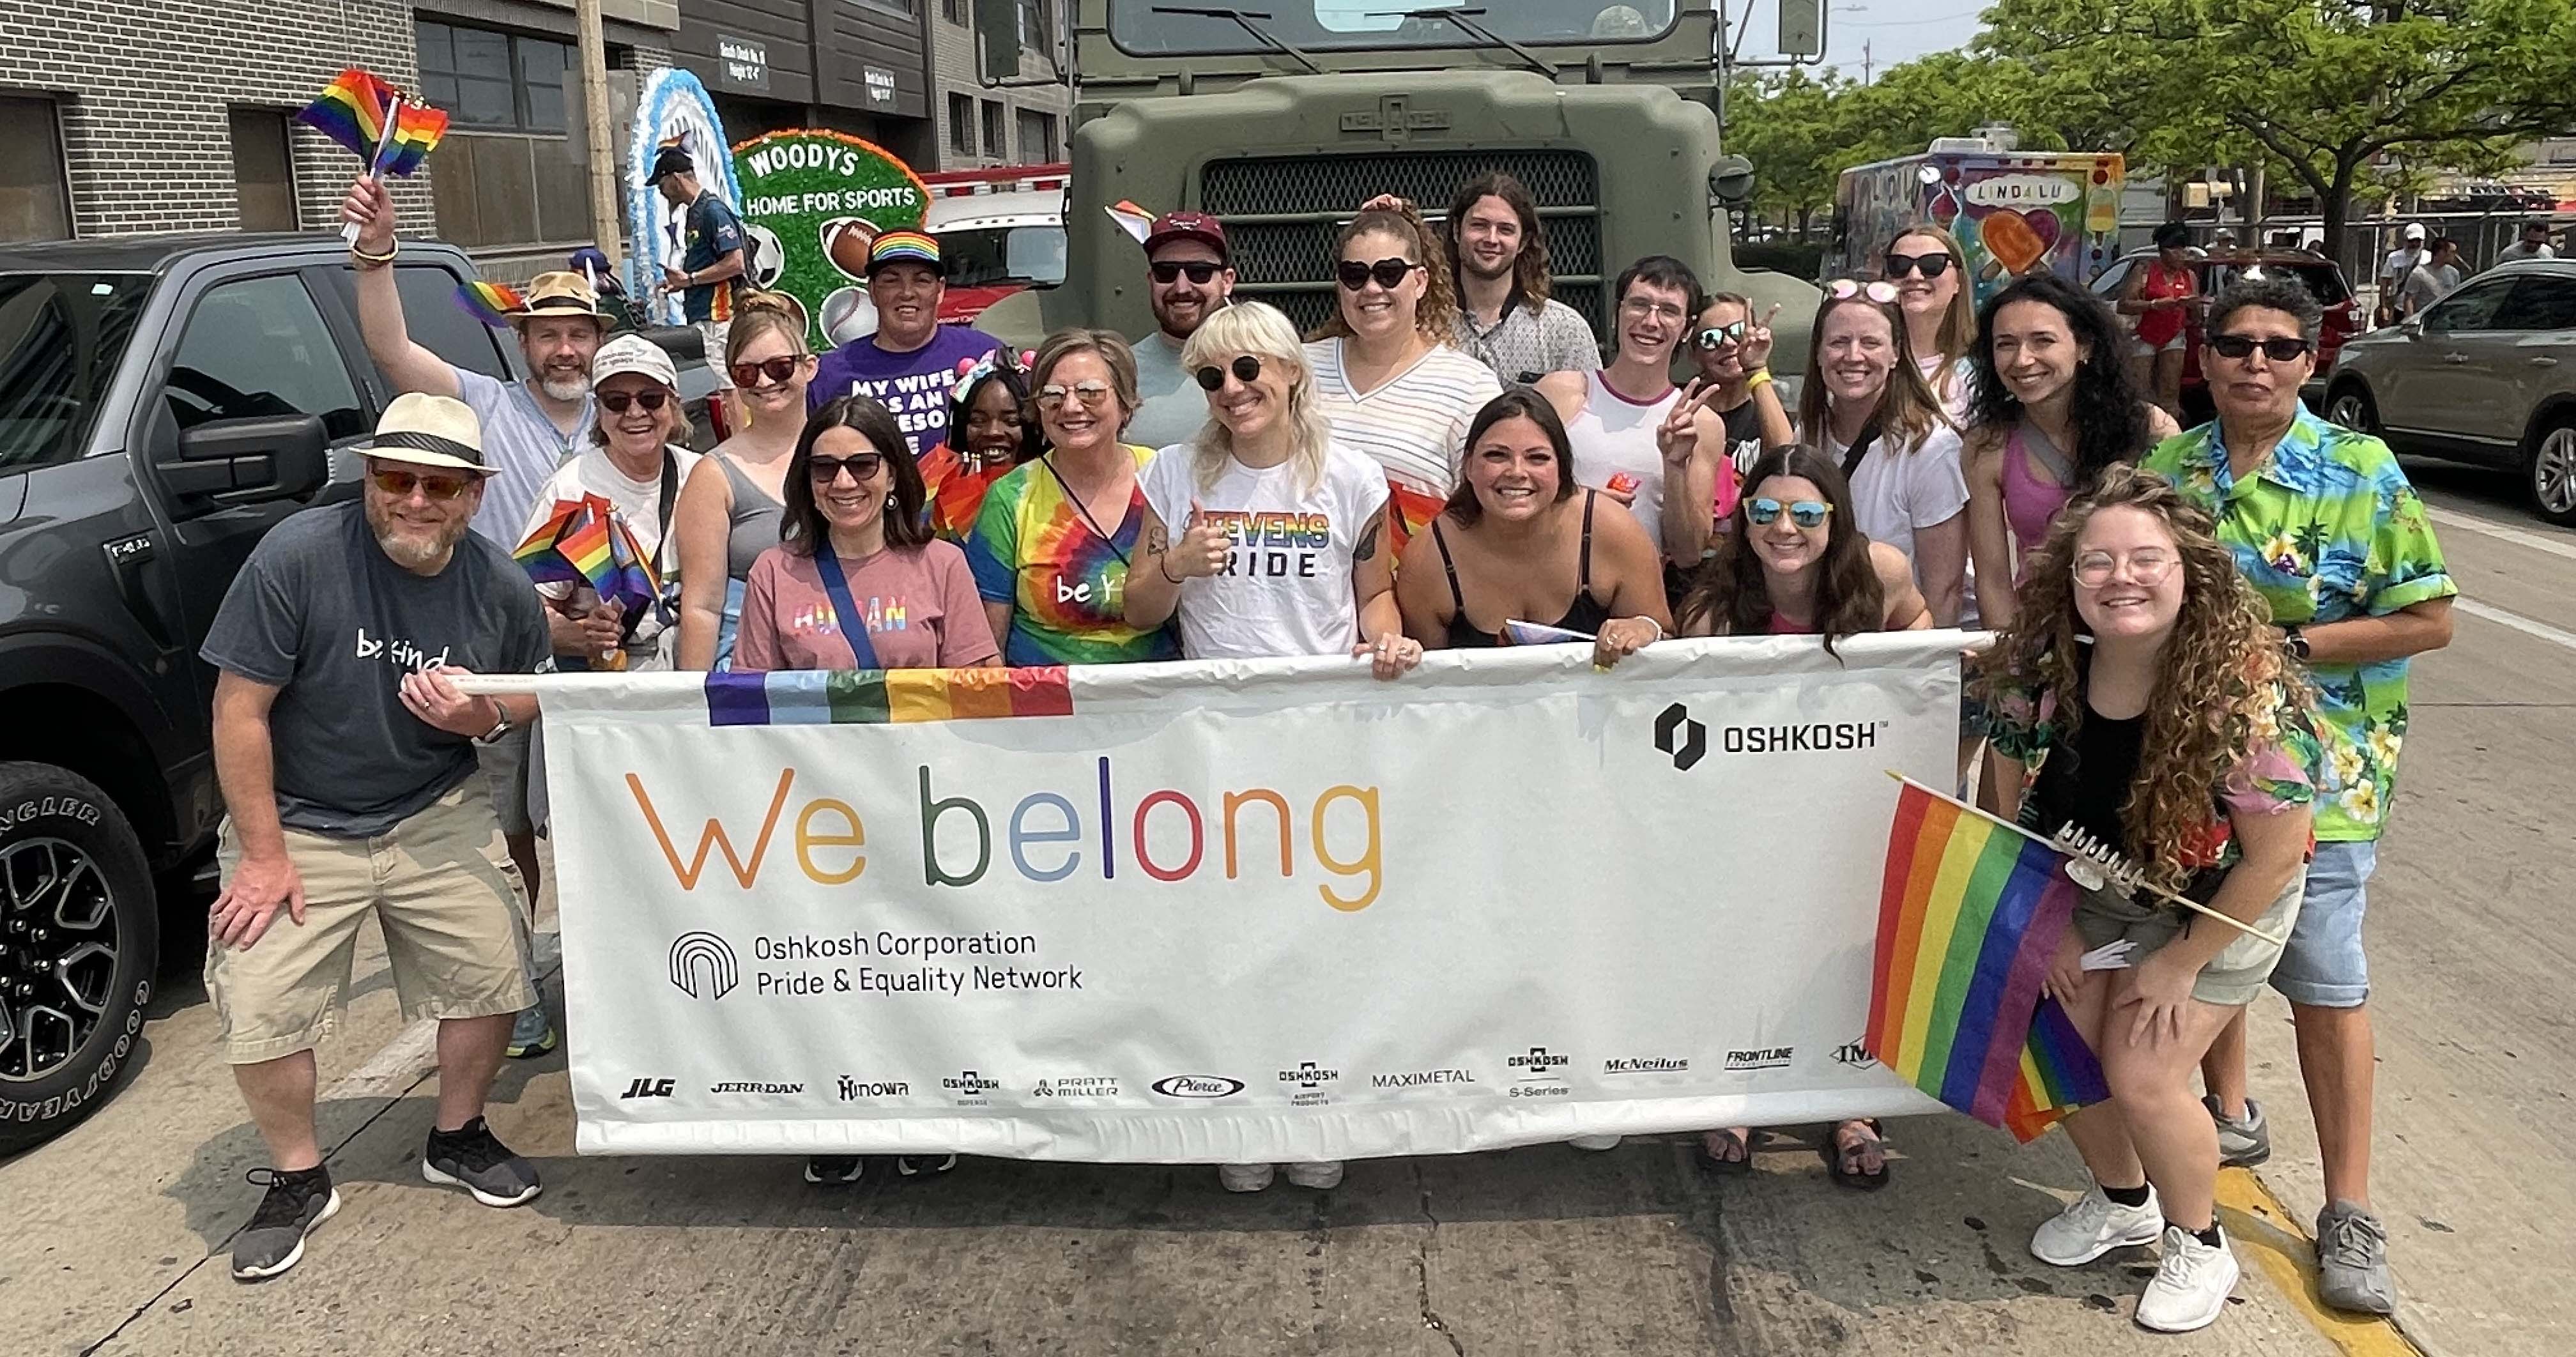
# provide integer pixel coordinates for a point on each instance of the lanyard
(854, 626)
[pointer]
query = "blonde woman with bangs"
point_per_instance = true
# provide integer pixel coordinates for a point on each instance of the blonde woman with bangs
(2142, 678)
(1930, 272)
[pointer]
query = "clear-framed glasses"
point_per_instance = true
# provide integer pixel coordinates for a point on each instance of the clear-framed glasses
(1052, 396)
(2150, 566)
(1644, 306)
(1878, 290)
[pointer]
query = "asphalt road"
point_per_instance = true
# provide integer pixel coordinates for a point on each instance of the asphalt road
(119, 1232)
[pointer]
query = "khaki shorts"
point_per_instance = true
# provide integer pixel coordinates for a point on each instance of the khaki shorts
(441, 886)
(2232, 978)
(714, 334)
(510, 764)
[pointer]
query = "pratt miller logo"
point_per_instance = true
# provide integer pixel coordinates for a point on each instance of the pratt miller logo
(703, 966)
(1538, 1063)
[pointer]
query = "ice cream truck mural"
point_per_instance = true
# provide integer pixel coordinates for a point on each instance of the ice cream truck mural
(2013, 212)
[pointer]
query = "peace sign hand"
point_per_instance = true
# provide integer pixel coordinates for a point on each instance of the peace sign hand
(1678, 436)
(1756, 346)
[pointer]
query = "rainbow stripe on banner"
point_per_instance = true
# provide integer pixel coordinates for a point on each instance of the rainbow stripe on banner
(1970, 913)
(808, 697)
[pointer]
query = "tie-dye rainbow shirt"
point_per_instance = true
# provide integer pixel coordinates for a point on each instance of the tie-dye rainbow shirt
(1067, 588)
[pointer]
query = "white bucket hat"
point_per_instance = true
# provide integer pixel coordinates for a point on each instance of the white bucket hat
(633, 353)
(437, 431)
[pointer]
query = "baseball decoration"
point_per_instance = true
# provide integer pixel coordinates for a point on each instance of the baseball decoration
(826, 196)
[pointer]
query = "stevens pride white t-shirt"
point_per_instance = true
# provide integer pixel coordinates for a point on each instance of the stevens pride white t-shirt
(1287, 585)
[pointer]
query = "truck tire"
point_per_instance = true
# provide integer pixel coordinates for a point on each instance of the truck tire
(79, 939)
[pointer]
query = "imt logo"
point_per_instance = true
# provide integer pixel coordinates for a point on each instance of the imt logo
(647, 1088)
(703, 966)
(1681, 737)
(1854, 1054)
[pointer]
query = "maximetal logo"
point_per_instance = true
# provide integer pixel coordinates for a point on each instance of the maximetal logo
(740, 1086)
(1646, 1064)
(1681, 737)
(1539, 1061)
(1421, 1078)
(703, 966)
(647, 1088)
(1761, 1058)
(1198, 1086)
(860, 1090)
(1854, 1054)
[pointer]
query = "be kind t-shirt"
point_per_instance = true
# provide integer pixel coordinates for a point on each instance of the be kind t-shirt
(1286, 589)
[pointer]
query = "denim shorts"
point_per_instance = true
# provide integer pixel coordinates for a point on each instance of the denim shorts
(2324, 966)
(2229, 980)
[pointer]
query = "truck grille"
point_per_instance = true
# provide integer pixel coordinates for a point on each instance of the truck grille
(1290, 263)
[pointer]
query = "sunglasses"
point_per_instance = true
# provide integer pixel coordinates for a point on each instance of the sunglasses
(862, 466)
(775, 369)
(1929, 265)
(1719, 336)
(400, 484)
(1878, 290)
(617, 401)
(1389, 273)
(2280, 349)
(2093, 569)
(1199, 270)
(1051, 395)
(1806, 513)
(1246, 369)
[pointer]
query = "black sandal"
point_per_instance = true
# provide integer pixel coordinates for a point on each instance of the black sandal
(1839, 1158)
(1714, 1164)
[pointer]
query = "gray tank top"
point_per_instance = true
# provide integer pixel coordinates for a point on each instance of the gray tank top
(756, 519)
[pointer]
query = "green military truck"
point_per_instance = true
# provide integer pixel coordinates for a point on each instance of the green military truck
(1280, 118)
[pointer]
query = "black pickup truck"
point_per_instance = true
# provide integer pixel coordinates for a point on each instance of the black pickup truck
(164, 401)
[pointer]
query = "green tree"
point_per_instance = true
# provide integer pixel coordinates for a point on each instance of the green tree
(1784, 123)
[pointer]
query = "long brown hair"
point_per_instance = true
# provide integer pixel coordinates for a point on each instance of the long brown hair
(803, 527)
(1958, 324)
(1531, 280)
(1436, 315)
(1908, 412)
(1730, 596)
(2223, 686)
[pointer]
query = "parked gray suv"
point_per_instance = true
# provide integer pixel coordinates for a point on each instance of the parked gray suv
(2486, 375)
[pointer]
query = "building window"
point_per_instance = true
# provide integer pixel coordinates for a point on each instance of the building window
(495, 82)
(263, 175)
(1036, 25)
(35, 203)
(997, 137)
(957, 11)
(1037, 137)
(906, 8)
(961, 124)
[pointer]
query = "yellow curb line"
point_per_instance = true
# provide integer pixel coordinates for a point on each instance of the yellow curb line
(2262, 1228)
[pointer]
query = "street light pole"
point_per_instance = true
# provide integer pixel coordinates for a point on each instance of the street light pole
(602, 156)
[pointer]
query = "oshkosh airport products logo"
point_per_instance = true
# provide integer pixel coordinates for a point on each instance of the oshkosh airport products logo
(1306, 1084)
(1761, 1058)
(703, 966)
(1646, 1064)
(1198, 1086)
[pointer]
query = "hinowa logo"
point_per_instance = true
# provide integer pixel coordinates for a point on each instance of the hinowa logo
(1681, 737)
(703, 966)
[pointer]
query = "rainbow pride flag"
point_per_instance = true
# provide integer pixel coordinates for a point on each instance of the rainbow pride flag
(353, 111)
(490, 303)
(585, 541)
(1970, 913)
(812, 697)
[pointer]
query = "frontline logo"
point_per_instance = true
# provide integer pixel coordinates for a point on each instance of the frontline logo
(1421, 1078)
(1681, 737)
(1198, 1086)
(703, 966)
(855, 1090)
(1646, 1064)
(746, 1087)
(1761, 1058)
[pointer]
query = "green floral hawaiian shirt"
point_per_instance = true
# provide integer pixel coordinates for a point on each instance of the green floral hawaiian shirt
(2329, 530)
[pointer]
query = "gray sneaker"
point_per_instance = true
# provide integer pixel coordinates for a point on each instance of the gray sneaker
(532, 1035)
(2352, 1261)
(471, 1157)
(274, 1240)
(2241, 1144)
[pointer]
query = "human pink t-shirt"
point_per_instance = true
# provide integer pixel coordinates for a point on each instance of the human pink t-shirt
(918, 603)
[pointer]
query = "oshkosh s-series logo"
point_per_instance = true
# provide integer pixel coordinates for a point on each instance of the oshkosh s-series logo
(647, 1088)
(1539, 1061)
(703, 966)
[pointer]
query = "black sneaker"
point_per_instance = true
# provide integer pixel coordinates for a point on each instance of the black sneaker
(471, 1157)
(924, 1165)
(835, 1170)
(297, 1203)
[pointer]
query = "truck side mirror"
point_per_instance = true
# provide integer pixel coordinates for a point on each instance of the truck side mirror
(1731, 179)
(250, 460)
(997, 39)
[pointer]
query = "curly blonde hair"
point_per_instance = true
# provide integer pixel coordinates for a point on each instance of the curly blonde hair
(2223, 687)
(1436, 315)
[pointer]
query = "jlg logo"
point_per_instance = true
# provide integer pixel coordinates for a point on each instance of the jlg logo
(647, 1088)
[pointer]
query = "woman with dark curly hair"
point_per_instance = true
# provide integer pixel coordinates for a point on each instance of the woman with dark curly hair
(2144, 681)
(2050, 404)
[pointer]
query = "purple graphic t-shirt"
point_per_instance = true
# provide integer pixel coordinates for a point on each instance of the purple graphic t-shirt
(913, 385)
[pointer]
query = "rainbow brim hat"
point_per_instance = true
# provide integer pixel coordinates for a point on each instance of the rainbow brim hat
(906, 247)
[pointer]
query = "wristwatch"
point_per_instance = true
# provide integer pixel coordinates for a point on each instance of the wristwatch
(2295, 641)
(500, 726)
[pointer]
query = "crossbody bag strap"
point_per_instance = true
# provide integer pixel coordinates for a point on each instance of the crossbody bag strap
(854, 626)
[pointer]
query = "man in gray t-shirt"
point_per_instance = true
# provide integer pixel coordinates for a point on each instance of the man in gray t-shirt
(1188, 277)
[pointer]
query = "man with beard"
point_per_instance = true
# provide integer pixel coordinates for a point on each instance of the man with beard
(912, 360)
(1188, 276)
(346, 757)
(1505, 316)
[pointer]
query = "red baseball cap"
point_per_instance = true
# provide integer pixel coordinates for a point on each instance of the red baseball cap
(1197, 226)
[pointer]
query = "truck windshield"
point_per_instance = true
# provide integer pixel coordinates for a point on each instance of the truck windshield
(1318, 25)
(994, 256)
(61, 338)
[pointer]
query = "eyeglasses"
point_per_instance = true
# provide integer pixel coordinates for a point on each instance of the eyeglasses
(400, 484)
(1806, 513)
(2279, 348)
(1719, 336)
(1051, 395)
(1878, 290)
(862, 466)
(1931, 265)
(1199, 270)
(1389, 273)
(775, 369)
(1246, 369)
(2094, 569)
(616, 401)
(1640, 306)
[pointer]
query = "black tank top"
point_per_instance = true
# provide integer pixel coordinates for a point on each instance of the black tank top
(1586, 615)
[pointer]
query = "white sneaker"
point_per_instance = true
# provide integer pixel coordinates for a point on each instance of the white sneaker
(1245, 1177)
(1594, 1142)
(2191, 1285)
(2093, 1225)
(1317, 1176)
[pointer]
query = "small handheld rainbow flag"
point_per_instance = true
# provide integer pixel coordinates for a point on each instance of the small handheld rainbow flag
(490, 303)
(1970, 913)
(585, 541)
(356, 110)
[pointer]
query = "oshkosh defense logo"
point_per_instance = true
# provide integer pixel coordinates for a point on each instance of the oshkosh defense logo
(703, 966)
(1681, 737)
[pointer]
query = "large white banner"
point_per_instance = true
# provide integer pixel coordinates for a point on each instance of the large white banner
(1234, 912)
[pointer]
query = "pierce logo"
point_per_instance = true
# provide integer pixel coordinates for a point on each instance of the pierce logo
(703, 966)
(647, 1088)
(1677, 735)
(1198, 1086)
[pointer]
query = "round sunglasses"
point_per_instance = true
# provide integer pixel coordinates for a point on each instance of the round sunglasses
(1878, 290)
(1246, 369)
(1806, 513)
(1389, 273)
